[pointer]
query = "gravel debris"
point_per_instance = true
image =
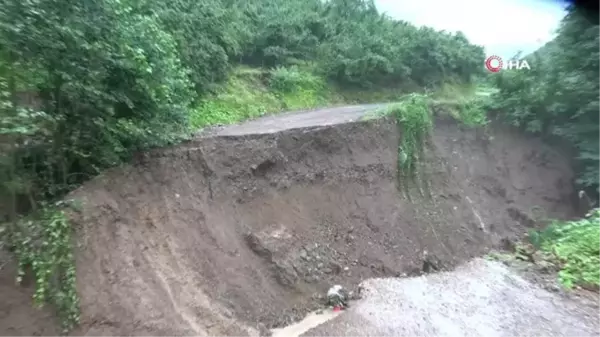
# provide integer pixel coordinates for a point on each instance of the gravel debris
(480, 298)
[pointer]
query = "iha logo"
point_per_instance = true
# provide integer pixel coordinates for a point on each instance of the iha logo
(495, 64)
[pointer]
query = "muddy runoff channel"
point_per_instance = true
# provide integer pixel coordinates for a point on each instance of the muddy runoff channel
(244, 229)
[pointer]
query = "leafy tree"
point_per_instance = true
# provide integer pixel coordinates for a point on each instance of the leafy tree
(285, 32)
(560, 96)
(109, 82)
(207, 33)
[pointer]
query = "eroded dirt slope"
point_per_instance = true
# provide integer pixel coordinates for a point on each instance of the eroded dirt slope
(234, 233)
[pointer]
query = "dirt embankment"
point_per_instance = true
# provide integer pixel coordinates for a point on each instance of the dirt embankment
(230, 235)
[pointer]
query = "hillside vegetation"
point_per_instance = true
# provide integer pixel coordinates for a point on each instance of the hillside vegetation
(559, 99)
(86, 85)
(114, 77)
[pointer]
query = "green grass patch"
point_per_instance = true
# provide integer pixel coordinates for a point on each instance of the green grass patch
(413, 118)
(465, 103)
(251, 93)
(298, 89)
(575, 247)
(451, 92)
(472, 113)
(242, 97)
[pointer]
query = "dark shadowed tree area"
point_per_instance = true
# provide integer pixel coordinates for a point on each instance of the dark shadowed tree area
(560, 95)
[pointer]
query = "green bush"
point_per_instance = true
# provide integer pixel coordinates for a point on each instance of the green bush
(466, 103)
(245, 96)
(242, 97)
(42, 242)
(473, 113)
(413, 117)
(562, 102)
(576, 247)
(560, 95)
(290, 79)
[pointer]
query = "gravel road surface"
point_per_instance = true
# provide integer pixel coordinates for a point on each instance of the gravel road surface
(295, 120)
(481, 298)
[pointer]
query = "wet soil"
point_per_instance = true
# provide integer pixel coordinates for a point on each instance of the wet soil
(242, 230)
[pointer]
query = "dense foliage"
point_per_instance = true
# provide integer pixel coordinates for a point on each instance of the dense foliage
(414, 120)
(113, 77)
(559, 98)
(354, 44)
(575, 247)
(560, 95)
(569, 248)
(86, 84)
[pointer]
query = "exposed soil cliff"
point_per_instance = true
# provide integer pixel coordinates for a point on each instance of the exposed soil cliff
(233, 234)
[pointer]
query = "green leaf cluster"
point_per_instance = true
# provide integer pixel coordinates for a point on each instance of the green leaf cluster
(560, 95)
(575, 245)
